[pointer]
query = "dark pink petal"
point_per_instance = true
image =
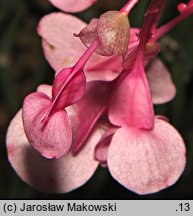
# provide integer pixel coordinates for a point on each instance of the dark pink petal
(101, 149)
(89, 109)
(61, 48)
(72, 5)
(147, 161)
(160, 81)
(131, 104)
(68, 88)
(113, 32)
(53, 137)
(53, 176)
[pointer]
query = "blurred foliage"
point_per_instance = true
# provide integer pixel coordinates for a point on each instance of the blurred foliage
(23, 67)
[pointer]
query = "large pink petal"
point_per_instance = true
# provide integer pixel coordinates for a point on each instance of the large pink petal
(131, 104)
(53, 137)
(147, 161)
(72, 5)
(61, 48)
(53, 176)
(160, 81)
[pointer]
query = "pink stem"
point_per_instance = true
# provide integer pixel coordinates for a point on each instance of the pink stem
(168, 26)
(84, 58)
(157, 17)
(128, 7)
(146, 31)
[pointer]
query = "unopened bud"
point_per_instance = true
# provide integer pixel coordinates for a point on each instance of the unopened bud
(113, 32)
(111, 29)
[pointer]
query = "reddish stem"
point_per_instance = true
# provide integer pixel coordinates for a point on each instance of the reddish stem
(168, 26)
(146, 31)
(128, 7)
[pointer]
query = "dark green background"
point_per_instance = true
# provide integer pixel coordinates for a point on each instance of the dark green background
(23, 68)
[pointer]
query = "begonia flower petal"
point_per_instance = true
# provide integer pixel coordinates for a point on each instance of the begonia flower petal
(60, 47)
(52, 137)
(160, 81)
(90, 108)
(52, 176)
(101, 148)
(72, 5)
(131, 104)
(46, 89)
(147, 161)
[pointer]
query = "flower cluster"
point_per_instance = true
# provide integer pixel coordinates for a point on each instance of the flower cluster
(99, 110)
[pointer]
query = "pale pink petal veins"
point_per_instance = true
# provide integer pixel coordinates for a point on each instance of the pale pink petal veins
(160, 81)
(60, 47)
(52, 138)
(52, 176)
(131, 104)
(147, 161)
(72, 5)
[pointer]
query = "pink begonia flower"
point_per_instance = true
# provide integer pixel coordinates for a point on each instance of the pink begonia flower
(72, 5)
(57, 175)
(57, 31)
(109, 122)
(146, 154)
(143, 151)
